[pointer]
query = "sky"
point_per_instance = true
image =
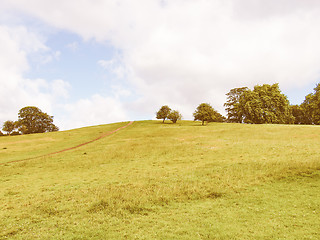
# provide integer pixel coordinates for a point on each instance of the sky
(90, 62)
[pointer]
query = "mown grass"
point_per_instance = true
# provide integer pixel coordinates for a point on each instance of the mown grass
(165, 181)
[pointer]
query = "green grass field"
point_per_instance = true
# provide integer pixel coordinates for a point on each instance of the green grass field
(163, 181)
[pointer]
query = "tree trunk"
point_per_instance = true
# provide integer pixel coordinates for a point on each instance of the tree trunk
(202, 122)
(163, 120)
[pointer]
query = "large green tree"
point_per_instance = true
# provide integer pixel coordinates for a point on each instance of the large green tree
(33, 120)
(9, 126)
(311, 106)
(163, 112)
(265, 104)
(233, 107)
(206, 113)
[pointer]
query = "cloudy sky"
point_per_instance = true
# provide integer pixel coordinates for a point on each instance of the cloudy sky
(89, 62)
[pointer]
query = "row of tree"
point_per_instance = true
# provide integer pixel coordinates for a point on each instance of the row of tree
(166, 113)
(266, 104)
(263, 104)
(30, 120)
(204, 112)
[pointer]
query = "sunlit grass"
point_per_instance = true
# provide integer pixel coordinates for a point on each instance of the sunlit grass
(165, 181)
(14, 148)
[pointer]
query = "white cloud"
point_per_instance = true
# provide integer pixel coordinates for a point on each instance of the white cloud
(92, 111)
(115, 66)
(17, 91)
(74, 46)
(184, 52)
(16, 45)
(60, 88)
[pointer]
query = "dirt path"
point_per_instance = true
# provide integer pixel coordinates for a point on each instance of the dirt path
(71, 148)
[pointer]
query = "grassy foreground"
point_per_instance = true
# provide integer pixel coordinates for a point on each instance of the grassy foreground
(163, 181)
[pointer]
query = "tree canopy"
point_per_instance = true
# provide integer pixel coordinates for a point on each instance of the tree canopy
(9, 126)
(33, 120)
(174, 116)
(311, 107)
(163, 112)
(205, 112)
(233, 107)
(300, 115)
(264, 104)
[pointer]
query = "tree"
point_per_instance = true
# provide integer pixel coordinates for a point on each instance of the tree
(205, 112)
(8, 126)
(299, 114)
(311, 106)
(22, 128)
(233, 107)
(15, 133)
(1, 134)
(163, 112)
(217, 117)
(33, 120)
(265, 104)
(174, 116)
(52, 128)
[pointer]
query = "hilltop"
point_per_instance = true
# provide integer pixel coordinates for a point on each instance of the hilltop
(162, 181)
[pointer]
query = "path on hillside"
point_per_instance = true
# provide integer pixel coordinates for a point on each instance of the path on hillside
(71, 148)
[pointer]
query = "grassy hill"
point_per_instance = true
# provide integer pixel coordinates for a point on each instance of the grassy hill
(163, 181)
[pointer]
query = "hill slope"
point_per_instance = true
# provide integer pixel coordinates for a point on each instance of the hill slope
(25, 147)
(163, 181)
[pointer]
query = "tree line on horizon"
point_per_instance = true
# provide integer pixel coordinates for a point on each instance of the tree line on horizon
(264, 104)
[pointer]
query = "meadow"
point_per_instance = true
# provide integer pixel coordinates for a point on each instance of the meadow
(163, 181)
